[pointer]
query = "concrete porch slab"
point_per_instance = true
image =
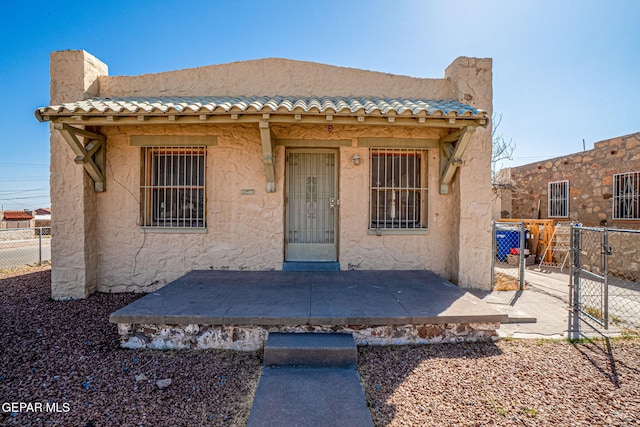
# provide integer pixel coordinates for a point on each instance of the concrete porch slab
(309, 298)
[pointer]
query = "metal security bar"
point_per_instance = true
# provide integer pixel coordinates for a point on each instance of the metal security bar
(173, 187)
(558, 199)
(21, 247)
(398, 188)
(311, 210)
(626, 195)
(605, 279)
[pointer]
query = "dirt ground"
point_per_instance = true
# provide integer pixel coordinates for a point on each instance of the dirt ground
(504, 282)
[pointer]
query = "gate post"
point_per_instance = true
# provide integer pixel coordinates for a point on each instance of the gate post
(493, 254)
(574, 285)
(39, 245)
(521, 263)
(605, 266)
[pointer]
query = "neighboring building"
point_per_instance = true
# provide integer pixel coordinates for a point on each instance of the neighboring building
(261, 164)
(598, 187)
(42, 217)
(43, 211)
(16, 219)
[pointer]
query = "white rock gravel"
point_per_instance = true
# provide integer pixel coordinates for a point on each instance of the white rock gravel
(68, 353)
(163, 383)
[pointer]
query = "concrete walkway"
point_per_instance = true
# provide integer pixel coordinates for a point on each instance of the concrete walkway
(310, 380)
(541, 311)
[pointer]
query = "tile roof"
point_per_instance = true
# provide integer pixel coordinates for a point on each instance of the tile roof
(16, 215)
(263, 104)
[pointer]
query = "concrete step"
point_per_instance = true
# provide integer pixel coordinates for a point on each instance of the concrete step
(310, 380)
(306, 397)
(311, 350)
(311, 266)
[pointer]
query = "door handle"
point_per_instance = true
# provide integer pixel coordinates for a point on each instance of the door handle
(334, 203)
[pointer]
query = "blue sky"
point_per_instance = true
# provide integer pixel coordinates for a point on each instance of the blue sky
(564, 71)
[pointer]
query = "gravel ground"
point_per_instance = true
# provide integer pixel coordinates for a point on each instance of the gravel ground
(67, 353)
(509, 383)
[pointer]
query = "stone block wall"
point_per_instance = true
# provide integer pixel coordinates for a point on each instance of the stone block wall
(590, 175)
(253, 338)
(623, 259)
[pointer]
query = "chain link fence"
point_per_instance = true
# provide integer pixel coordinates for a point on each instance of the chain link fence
(21, 247)
(510, 256)
(605, 279)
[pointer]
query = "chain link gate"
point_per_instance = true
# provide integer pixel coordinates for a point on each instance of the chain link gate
(508, 260)
(605, 278)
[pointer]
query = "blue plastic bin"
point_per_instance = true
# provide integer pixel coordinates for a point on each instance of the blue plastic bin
(505, 240)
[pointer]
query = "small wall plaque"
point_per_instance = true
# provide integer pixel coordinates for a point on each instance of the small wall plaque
(248, 192)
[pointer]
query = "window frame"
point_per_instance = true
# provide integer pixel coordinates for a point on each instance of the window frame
(173, 182)
(554, 202)
(627, 201)
(416, 189)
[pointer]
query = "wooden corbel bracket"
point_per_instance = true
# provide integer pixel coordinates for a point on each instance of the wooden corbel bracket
(92, 155)
(452, 147)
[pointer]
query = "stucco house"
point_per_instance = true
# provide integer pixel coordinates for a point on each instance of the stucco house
(16, 219)
(267, 164)
(596, 188)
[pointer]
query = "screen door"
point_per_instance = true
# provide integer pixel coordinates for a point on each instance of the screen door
(311, 205)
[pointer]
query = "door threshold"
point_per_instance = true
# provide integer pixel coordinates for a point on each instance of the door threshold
(311, 266)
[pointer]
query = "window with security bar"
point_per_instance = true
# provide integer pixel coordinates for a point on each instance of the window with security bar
(398, 199)
(173, 187)
(558, 199)
(626, 195)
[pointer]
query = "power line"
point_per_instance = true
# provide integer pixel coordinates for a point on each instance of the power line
(39, 165)
(23, 198)
(2, 180)
(9, 192)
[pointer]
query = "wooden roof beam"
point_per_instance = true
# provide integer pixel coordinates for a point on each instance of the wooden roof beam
(268, 157)
(97, 120)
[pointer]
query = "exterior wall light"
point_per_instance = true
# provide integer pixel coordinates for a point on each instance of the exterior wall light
(356, 159)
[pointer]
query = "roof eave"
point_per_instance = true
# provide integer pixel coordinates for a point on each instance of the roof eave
(93, 119)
